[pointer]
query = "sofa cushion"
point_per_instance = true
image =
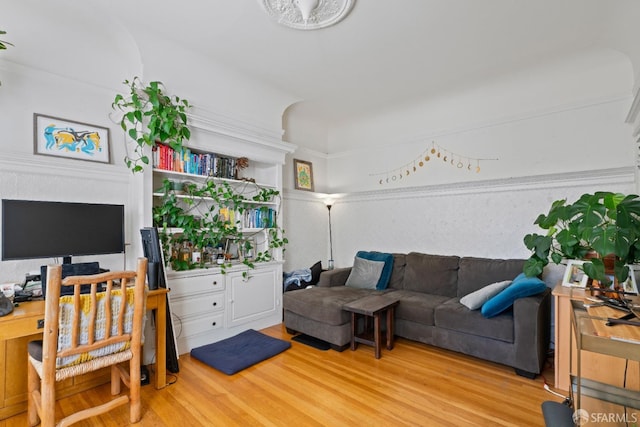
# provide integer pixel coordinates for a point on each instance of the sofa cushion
(431, 274)
(323, 304)
(521, 287)
(316, 269)
(397, 273)
(417, 307)
(365, 274)
(476, 299)
(383, 281)
(475, 273)
(452, 315)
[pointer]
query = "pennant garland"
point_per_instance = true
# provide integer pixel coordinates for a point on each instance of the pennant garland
(431, 154)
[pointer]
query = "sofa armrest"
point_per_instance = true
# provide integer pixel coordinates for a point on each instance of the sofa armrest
(335, 277)
(532, 323)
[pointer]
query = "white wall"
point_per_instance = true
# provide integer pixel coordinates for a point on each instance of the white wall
(24, 175)
(74, 72)
(556, 132)
(488, 219)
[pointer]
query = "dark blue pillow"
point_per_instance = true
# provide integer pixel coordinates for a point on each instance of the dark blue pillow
(386, 270)
(522, 286)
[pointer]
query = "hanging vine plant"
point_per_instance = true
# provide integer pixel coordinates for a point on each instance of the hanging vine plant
(196, 213)
(150, 116)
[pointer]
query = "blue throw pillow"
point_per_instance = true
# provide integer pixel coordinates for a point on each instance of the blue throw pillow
(386, 270)
(522, 286)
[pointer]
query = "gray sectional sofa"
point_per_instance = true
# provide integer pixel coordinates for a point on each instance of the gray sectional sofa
(429, 288)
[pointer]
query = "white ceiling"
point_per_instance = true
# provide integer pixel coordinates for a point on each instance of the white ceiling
(385, 52)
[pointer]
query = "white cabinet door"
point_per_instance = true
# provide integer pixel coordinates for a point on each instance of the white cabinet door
(254, 297)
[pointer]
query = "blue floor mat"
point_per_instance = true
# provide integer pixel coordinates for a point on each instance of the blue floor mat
(234, 354)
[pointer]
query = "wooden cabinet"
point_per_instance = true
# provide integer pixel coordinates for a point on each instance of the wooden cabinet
(593, 333)
(598, 367)
(254, 296)
(208, 306)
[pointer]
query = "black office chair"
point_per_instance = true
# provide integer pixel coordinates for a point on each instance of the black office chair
(557, 414)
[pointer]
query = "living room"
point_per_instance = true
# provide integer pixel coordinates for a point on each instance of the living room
(539, 103)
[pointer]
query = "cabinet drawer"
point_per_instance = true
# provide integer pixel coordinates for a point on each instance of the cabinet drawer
(192, 285)
(202, 324)
(203, 304)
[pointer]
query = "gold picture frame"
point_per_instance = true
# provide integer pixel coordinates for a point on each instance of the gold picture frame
(303, 175)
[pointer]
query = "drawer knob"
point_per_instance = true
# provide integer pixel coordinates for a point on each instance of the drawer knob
(213, 324)
(215, 303)
(215, 282)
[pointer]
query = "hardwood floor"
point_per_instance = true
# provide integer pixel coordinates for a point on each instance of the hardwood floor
(411, 385)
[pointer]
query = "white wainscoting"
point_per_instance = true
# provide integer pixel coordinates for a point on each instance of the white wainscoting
(486, 219)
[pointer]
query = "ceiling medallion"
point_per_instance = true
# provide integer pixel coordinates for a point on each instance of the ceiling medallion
(307, 14)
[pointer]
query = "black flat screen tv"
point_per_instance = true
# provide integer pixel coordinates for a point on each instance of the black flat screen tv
(42, 229)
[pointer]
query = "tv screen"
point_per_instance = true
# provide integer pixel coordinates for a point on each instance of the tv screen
(41, 229)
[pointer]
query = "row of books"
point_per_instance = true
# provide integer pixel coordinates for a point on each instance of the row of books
(251, 218)
(205, 164)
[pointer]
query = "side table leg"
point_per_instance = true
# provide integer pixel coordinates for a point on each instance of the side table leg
(390, 317)
(376, 333)
(353, 330)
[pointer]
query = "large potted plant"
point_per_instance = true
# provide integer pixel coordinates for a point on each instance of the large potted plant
(151, 116)
(598, 226)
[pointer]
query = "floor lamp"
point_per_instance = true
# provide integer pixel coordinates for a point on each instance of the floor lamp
(330, 267)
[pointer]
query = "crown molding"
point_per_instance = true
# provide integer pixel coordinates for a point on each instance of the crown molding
(239, 130)
(311, 152)
(442, 133)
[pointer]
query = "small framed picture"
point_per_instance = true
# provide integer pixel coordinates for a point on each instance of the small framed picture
(574, 275)
(53, 136)
(630, 286)
(247, 249)
(231, 249)
(303, 175)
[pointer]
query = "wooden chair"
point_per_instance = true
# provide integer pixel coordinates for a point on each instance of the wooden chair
(87, 332)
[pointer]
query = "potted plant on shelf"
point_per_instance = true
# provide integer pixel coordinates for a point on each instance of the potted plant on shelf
(197, 216)
(596, 227)
(151, 116)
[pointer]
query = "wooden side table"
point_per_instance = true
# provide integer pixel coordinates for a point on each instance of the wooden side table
(599, 367)
(372, 307)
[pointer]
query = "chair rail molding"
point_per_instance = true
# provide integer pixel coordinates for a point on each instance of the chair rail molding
(613, 176)
(35, 165)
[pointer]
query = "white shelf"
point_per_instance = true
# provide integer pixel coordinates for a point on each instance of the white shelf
(247, 201)
(182, 175)
(175, 230)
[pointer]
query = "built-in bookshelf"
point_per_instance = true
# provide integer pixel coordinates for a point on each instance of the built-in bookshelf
(196, 163)
(209, 303)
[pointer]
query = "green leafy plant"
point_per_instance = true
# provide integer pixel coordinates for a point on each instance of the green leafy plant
(151, 116)
(4, 44)
(596, 226)
(196, 212)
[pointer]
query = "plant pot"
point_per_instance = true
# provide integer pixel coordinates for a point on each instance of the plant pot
(177, 186)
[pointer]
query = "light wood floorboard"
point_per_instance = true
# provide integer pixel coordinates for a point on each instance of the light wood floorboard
(412, 385)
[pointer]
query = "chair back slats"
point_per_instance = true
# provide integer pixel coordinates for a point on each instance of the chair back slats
(86, 332)
(105, 308)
